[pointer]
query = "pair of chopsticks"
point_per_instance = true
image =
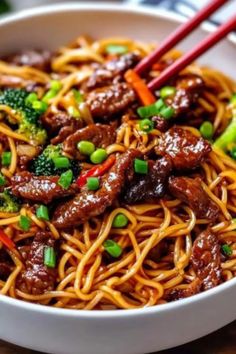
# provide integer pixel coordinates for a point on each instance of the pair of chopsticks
(179, 35)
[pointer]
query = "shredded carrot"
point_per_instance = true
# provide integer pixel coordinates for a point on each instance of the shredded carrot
(140, 87)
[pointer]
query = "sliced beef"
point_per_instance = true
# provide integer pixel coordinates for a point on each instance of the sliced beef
(100, 134)
(6, 265)
(185, 150)
(158, 251)
(36, 278)
(60, 126)
(88, 204)
(39, 59)
(149, 187)
(188, 89)
(105, 74)
(161, 123)
(39, 188)
(180, 293)
(205, 259)
(190, 191)
(109, 101)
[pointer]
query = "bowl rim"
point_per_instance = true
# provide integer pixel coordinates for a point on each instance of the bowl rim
(106, 314)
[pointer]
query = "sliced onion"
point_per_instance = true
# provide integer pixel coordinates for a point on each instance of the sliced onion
(26, 150)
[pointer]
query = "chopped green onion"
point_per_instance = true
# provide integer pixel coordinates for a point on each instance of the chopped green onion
(227, 250)
(233, 99)
(92, 183)
(141, 166)
(120, 221)
(49, 257)
(207, 130)
(233, 152)
(98, 156)
(55, 85)
(2, 180)
(146, 125)
(167, 112)
(40, 106)
(116, 49)
(61, 162)
(227, 137)
(42, 213)
(112, 248)
(31, 98)
(86, 147)
(79, 97)
(73, 112)
(25, 223)
(6, 158)
(151, 110)
(66, 179)
(167, 91)
(49, 95)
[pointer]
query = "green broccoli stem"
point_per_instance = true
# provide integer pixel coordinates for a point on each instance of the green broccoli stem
(227, 137)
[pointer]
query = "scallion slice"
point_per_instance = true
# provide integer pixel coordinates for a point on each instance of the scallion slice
(61, 162)
(112, 248)
(66, 179)
(6, 158)
(141, 166)
(151, 110)
(42, 213)
(167, 91)
(49, 257)
(25, 222)
(116, 49)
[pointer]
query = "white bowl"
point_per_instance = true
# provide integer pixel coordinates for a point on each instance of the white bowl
(125, 331)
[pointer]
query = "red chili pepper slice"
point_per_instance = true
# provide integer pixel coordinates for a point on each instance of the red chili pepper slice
(6, 240)
(96, 171)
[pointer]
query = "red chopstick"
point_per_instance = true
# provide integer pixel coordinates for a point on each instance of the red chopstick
(178, 35)
(193, 54)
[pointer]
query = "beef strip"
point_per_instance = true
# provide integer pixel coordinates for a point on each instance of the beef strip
(105, 73)
(88, 204)
(205, 259)
(100, 135)
(149, 187)
(158, 251)
(188, 89)
(37, 278)
(39, 188)
(180, 293)
(39, 59)
(190, 191)
(108, 101)
(6, 265)
(186, 150)
(160, 123)
(60, 126)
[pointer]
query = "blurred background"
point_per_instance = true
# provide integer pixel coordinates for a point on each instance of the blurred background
(184, 7)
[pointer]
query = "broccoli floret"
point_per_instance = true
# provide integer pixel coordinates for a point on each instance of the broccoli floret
(29, 124)
(43, 165)
(36, 134)
(8, 203)
(16, 99)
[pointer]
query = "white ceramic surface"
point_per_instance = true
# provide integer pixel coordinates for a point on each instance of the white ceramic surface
(126, 331)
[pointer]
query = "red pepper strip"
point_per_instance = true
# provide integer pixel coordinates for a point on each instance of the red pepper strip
(96, 171)
(6, 240)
